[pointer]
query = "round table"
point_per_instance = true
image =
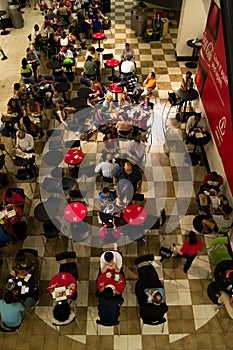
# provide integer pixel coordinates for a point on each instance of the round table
(99, 36)
(225, 284)
(75, 212)
(4, 32)
(114, 89)
(53, 157)
(104, 281)
(18, 215)
(196, 46)
(74, 157)
(63, 87)
(53, 64)
(112, 63)
(134, 214)
(187, 95)
(63, 279)
(197, 222)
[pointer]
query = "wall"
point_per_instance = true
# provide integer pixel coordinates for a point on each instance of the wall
(192, 24)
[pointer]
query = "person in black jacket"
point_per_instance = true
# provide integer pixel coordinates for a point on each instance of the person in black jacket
(150, 294)
(109, 306)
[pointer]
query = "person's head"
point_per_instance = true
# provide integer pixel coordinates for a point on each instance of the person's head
(20, 256)
(192, 238)
(108, 256)
(188, 74)
(151, 75)
(46, 18)
(16, 86)
(129, 57)
(108, 98)
(36, 27)
(74, 23)
(89, 58)
(107, 293)
(24, 62)
(63, 35)
(213, 175)
(109, 158)
(128, 168)
(197, 117)
(91, 50)
(9, 193)
(227, 209)
(61, 311)
(12, 103)
(21, 134)
(8, 297)
(127, 46)
(156, 297)
(29, 51)
(105, 191)
(63, 49)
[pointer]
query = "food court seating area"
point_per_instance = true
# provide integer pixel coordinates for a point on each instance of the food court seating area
(191, 315)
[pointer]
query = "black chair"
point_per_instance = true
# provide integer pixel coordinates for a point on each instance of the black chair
(6, 330)
(52, 185)
(174, 101)
(78, 196)
(58, 325)
(70, 264)
(51, 230)
(80, 231)
(99, 322)
(73, 144)
(68, 183)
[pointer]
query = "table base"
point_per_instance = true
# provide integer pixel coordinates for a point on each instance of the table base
(100, 49)
(74, 172)
(191, 64)
(5, 32)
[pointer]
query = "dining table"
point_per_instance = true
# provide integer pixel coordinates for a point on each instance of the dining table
(11, 212)
(111, 279)
(134, 214)
(195, 44)
(75, 212)
(74, 158)
(112, 63)
(187, 95)
(63, 285)
(98, 36)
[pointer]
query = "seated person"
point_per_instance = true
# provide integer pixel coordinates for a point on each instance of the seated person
(95, 57)
(12, 197)
(227, 300)
(30, 127)
(11, 312)
(33, 107)
(187, 82)
(150, 294)
(135, 150)
(107, 168)
(108, 104)
(196, 125)
(64, 312)
(110, 232)
(25, 263)
(110, 260)
(24, 142)
(109, 306)
(90, 68)
(127, 67)
(105, 197)
(149, 83)
(125, 100)
(124, 127)
(66, 56)
(213, 181)
(98, 93)
(63, 113)
(6, 232)
(220, 221)
(146, 105)
(110, 143)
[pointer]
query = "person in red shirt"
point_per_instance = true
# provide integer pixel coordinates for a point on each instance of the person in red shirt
(213, 181)
(189, 250)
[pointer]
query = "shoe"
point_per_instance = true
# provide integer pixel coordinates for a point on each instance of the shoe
(4, 58)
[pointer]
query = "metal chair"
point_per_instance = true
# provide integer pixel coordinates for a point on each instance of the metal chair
(155, 323)
(5, 330)
(78, 195)
(57, 325)
(174, 101)
(68, 263)
(51, 230)
(100, 323)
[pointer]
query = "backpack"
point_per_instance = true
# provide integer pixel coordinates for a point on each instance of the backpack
(107, 24)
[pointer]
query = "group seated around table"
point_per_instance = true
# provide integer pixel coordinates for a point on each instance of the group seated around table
(150, 292)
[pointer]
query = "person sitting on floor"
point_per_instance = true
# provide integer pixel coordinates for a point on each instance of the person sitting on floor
(111, 260)
(107, 168)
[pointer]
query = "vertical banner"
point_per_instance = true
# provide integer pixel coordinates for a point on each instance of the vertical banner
(213, 86)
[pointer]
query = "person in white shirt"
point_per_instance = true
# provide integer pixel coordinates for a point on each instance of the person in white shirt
(24, 142)
(107, 168)
(111, 260)
(136, 150)
(128, 67)
(195, 122)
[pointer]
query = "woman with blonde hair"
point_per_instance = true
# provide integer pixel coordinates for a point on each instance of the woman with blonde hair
(98, 92)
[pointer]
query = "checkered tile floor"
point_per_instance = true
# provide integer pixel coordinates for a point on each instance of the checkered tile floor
(169, 182)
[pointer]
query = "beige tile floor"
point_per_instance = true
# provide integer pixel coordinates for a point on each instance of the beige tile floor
(192, 320)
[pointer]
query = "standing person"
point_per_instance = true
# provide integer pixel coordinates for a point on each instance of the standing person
(189, 250)
(4, 57)
(34, 60)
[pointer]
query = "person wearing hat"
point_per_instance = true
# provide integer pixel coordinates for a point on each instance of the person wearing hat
(107, 168)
